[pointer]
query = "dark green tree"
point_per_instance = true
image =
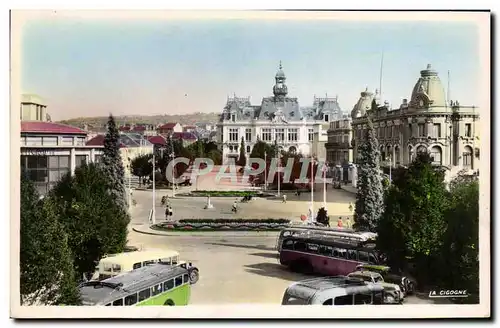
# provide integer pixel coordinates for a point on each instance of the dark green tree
(370, 195)
(113, 164)
(142, 165)
(216, 156)
(412, 225)
(96, 225)
(242, 159)
(260, 148)
(46, 266)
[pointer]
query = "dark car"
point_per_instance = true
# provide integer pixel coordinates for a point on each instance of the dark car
(405, 281)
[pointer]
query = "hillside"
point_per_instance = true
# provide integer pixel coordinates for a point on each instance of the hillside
(184, 119)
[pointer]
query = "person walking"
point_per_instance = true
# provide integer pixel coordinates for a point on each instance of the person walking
(284, 198)
(348, 224)
(339, 222)
(350, 207)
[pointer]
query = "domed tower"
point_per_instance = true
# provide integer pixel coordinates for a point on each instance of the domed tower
(280, 89)
(428, 91)
(364, 104)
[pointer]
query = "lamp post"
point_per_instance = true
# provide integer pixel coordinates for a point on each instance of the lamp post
(312, 190)
(154, 191)
(278, 157)
(265, 171)
(173, 168)
(324, 184)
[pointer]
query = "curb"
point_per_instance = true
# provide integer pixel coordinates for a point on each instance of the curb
(152, 232)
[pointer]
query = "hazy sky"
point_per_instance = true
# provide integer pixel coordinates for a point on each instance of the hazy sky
(91, 68)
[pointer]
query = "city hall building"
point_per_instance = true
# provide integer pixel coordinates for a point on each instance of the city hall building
(278, 118)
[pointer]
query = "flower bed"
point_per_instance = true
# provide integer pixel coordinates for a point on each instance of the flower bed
(223, 224)
(228, 193)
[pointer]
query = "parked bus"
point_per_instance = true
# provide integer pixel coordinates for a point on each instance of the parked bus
(325, 255)
(336, 233)
(153, 284)
(116, 264)
(337, 290)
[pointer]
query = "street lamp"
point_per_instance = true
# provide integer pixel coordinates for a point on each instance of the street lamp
(312, 190)
(278, 157)
(129, 182)
(265, 171)
(324, 184)
(173, 168)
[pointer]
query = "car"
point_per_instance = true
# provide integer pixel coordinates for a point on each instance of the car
(407, 283)
(394, 293)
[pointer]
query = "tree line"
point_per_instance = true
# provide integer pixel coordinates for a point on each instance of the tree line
(64, 234)
(424, 226)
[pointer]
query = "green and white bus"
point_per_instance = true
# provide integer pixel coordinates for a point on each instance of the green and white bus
(153, 284)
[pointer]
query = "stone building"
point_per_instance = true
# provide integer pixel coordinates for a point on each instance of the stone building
(278, 118)
(428, 122)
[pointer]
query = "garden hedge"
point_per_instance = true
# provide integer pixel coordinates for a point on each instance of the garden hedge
(238, 221)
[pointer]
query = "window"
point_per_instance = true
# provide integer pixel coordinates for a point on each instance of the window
(352, 254)
(144, 294)
(116, 267)
(109, 304)
(437, 130)
(310, 134)
(372, 259)
(393, 134)
(360, 299)
(327, 118)
(468, 130)
(410, 129)
(267, 134)
(165, 260)
(33, 141)
(50, 141)
(67, 141)
(467, 157)
(131, 299)
(343, 300)
(185, 278)
(118, 302)
(178, 281)
(248, 149)
(233, 134)
(312, 248)
(328, 302)
(293, 134)
(363, 256)
(300, 246)
(155, 290)
(248, 134)
(80, 141)
(287, 244)
(80, 160)
(325, 250)
(421, 130)
(280, 135)
(137, 266)
(339, 252)
(436, 155)
(167, 285)
(175, 260)
(233, 117)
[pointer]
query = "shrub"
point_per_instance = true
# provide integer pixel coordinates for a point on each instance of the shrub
(240, 221)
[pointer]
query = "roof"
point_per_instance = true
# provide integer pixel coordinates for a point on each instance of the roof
(124, 128)
(184, 136)
(108, 290)
(126, 140)
(98, 140)
(168, 126)
(157, 140)
(49, 127)
(139, 256)
(139, 128)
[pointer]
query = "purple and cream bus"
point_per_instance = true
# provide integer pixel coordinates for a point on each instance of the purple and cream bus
(326, 255)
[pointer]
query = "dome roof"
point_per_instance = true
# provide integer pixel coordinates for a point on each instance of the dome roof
(428, 90)
(280, 73)
(364, 103)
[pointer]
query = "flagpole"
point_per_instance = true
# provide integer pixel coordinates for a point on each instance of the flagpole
(154, 190)
(324, 186)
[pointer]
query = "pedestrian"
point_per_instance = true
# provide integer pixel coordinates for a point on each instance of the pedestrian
(167, 213)
(284, 198)
(339, 222)
(348, 223)
(170, 211)
(350, 207)
(235, 207)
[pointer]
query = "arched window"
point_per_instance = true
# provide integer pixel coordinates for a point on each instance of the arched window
(410, 154)
(382, 153)
(467, 157)
(436, 155)
(397, 158)
(248, 149)
(421, 149)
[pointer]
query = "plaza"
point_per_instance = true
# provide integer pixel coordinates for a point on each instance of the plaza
(234, 267)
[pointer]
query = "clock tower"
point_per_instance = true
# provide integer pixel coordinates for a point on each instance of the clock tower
(280, 89)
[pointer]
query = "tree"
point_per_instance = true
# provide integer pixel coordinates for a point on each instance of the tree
(242, 160)
(46, 267)
(262, 149)
(113, 165)
(460, 248)
(96, 225)
(142, 165)
(370, 195)
(412, 225)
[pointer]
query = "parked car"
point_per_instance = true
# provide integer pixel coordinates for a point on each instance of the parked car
(407, 283)
(393, 291)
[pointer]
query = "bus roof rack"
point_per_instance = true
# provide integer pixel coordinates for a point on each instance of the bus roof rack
(100, 284)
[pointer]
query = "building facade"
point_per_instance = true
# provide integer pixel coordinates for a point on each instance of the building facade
(427, 123)
(339, 148)
(278, 118)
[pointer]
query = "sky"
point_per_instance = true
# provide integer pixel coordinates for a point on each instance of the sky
(88, 67)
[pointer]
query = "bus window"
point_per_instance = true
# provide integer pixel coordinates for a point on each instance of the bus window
(285, 233)
(118, 302)
(147, 262)
(131, 299)
(325, 250)
(155, 290)
(378, 298)
(328, 302)
(116, 267)
(312, 248)
(288, 244)
(372, 259)
(109, 304)
(104, 276)
(168, 284)
(363, 256)
(178, 281)
(144, 294)
(352, 254)
(137, 266)
(165, 260)
(343, 300)
(107, 267)
(339, 252)
(360, 299)
(175, 260)
(186, 278)
(300, 246)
